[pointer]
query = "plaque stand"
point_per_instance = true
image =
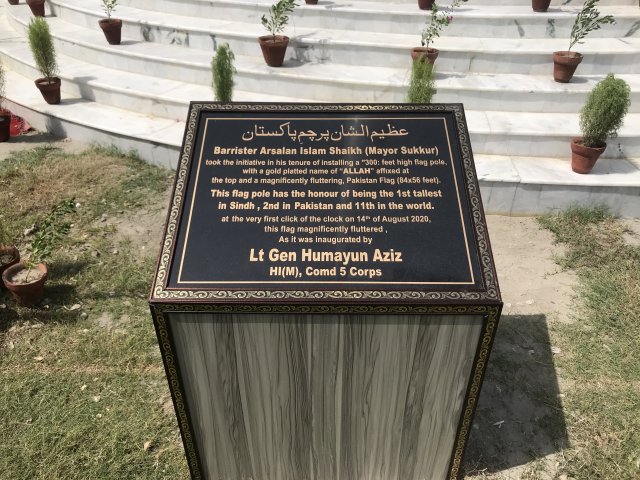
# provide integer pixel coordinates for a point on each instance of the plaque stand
(345, 337)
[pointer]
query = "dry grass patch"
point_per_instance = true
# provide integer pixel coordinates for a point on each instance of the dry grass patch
(81, 400)
(35, 178)
(602, 347)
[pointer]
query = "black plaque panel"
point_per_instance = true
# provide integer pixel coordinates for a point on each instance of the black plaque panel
(322, 199)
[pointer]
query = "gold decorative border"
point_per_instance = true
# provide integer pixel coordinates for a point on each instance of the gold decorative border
(179, 257)
(177, 392)
(162, 308)
(490, 291)
(473, 393)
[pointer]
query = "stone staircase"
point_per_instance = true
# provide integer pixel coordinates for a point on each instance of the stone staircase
(495, 58)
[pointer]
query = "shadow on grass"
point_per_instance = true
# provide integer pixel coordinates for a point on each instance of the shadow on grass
(37, 137)
(59, 294)
(66, 268)
(42, 313)
(519, 416)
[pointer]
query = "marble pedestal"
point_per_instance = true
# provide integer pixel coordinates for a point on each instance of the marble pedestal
(325, 396)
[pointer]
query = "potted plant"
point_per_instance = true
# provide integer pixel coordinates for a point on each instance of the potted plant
(600, 118)
(274, 46)
(437, 21)
(37, 7)
(540, 5)
(5, 116)
(422, 83)
(112, 27)
(9, 254)
(222, 71)
(587, 20)
(26, 280)
(44, 54)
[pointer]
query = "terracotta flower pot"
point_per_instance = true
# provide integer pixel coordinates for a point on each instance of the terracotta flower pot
(540, 5)
(425, 4)
(425, 54)
(112, 28)
(311, 2)
(37, 7)
(273, 51)
(564, 65)
(25, 293)
(50, 90)
(11, 256)
(584, 158)
(5, 127)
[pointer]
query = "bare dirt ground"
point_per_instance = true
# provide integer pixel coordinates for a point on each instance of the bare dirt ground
(530, 281)
(519, 429)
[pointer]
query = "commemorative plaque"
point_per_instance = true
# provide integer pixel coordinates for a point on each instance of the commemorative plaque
(325, 298)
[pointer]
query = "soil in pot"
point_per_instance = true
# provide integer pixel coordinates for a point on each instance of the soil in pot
(50, 90)
(9, 256)
(273, 51)
(564, 65)
(14, 2)
(5, 127)
(26, 285)
(112, 28)
(425, 4)
(540, 5)
(425, 54)
(583, 158)
(37, 7)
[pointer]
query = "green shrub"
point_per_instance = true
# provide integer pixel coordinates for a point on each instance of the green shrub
(109, 6)
(41, 44)
(278, 16)
(437, 21)
(5, 237)
(222, 71)
(422, 85)
(605, 108)
(48, 232)
(587, 20)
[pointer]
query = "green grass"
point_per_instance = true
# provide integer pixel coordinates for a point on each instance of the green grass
(602, 346)
(85, 425)
(82, 384)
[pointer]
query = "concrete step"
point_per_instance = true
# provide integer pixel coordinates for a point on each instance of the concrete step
(311, 45)
(155, 139)
(201, 6)
(119, 88)
(522, 185)
(169, 98)
(471, 19)
(538, 133)
(554, 3)
(542, 134)
(323, 82)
